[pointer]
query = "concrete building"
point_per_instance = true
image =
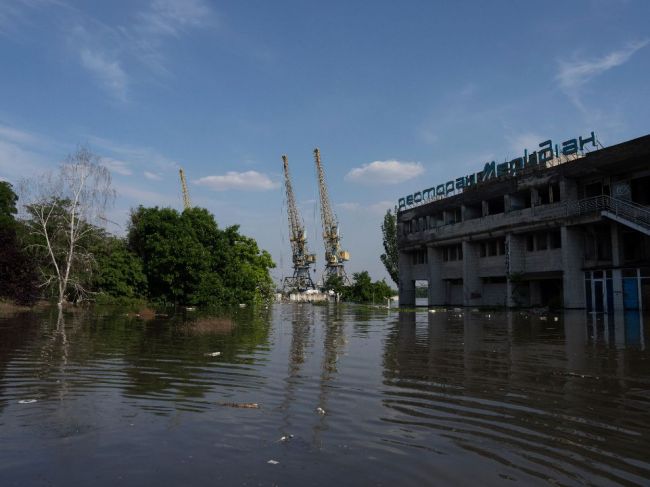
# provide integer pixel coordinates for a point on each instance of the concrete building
(570, 231)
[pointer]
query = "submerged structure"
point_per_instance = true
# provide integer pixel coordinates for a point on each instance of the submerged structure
(564, 226)
(302, 260)
(334, 255)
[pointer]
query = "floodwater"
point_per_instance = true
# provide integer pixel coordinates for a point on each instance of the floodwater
(345, 396)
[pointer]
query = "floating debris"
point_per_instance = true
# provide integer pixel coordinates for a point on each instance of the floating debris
(27, 401)
(213, 354)
(286, 438)
(242, 405)
(320, 411)
(273, 462)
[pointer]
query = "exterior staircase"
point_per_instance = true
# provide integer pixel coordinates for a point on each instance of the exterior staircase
(624, 212)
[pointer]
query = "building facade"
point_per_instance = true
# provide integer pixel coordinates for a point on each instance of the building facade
(570, 232)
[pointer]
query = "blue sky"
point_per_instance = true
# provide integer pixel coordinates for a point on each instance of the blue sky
(397, 95)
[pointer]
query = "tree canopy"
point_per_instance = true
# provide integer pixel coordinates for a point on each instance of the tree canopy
(361, 290)
(390, 257)
(187, 259)
(18, 277)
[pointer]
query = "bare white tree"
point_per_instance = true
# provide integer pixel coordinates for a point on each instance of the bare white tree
(65, 207)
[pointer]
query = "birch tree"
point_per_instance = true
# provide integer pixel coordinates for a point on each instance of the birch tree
(66, 208)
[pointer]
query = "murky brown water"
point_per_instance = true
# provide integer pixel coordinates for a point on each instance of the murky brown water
(445, 398)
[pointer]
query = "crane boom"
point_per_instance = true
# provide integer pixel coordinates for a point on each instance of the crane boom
(334, 256)
(302, 259)
(186, 195)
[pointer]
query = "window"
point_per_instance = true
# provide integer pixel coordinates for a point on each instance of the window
(501, 246)
(452, 253)
(492, 248)
(530, 243)
(556, 239)
(541, 241)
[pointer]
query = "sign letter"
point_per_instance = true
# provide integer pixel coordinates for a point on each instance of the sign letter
(546, 151)
(591, 139)
(569, 147)
(489, 171)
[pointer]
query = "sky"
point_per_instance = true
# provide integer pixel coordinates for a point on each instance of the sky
(398, 96)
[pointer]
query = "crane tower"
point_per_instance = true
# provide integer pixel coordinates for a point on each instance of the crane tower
(302, 259)
(334, 256)
(186, 195)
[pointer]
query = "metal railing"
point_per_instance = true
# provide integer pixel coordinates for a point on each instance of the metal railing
(627, 210)
(638, 214)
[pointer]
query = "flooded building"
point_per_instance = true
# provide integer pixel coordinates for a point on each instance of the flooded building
(566, 226)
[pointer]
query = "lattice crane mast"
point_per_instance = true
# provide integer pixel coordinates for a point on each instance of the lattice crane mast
(186, 195)
(302, 259)
(334, 256)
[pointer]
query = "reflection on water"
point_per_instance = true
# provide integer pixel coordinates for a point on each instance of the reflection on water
(348, 395)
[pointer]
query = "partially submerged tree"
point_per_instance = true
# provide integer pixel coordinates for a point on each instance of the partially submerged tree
(66, 209)
(187, 259)
(390, 258)
(18, 277)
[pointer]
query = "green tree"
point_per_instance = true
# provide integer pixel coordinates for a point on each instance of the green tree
(18, 277)
(8, 199)
(188, 260)
(390, 257)
(362, 289)
(335, 283)
(119, 271)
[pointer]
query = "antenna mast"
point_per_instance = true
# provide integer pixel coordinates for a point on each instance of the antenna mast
(187, 204)
(334, 256)
(302, 259)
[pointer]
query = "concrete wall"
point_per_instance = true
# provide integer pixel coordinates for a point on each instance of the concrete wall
(472, 286)
(491, 266)
(573, 280)
(494, 294)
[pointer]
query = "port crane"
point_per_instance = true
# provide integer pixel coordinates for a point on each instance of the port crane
(187, 204)
(302, 260)
(334, 256)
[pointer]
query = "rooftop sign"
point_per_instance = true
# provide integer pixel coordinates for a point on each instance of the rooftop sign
(546, 153)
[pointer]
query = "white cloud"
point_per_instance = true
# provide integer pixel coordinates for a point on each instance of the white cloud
(109, 73)
(170, 17)
(116, 166)
(113, 53)
(140, 156)
(15, 135)
(152, 176)
(349, 206)
(381, 206)
(22, 153)
(248, 180)
(523, 141)
(573, 75)
(385, 172)
(17, 162)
